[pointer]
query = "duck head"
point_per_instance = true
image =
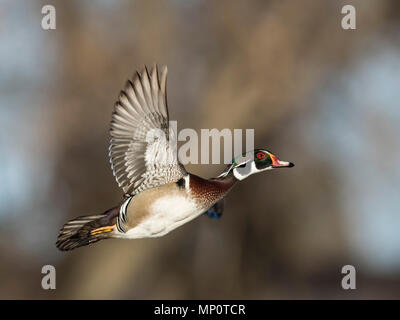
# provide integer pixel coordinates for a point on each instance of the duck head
(254, 161)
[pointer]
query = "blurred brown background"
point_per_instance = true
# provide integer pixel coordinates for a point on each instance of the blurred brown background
(320, 96)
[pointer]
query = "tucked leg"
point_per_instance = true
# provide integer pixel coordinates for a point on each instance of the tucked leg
(215, 212)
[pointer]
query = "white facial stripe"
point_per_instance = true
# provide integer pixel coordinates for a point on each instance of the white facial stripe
(225, 173)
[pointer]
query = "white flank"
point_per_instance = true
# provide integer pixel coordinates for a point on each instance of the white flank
(167, 213)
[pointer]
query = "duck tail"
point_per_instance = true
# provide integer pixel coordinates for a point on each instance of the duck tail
(86, 230)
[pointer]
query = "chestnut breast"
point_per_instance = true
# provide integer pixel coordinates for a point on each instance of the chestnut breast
(208, 192)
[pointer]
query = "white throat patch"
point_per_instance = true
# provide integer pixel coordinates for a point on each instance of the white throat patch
(241, 173)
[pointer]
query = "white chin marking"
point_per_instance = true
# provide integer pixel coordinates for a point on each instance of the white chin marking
(243, 173)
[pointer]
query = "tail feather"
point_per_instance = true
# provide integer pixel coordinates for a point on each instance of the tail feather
(86, 230)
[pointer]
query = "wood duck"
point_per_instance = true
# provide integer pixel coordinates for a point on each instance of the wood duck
(160, 195)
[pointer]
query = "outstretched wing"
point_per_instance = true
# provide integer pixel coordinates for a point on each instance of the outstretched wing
(143, 151)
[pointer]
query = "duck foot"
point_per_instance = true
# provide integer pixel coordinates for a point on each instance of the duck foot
(215, 212)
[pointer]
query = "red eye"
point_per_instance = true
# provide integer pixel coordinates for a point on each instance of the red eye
(260, 155)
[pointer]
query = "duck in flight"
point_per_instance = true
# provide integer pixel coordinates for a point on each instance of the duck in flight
(160, 195)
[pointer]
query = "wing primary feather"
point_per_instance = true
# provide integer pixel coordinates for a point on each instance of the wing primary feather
(164, 91)
(154, 88)
(147, 89)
